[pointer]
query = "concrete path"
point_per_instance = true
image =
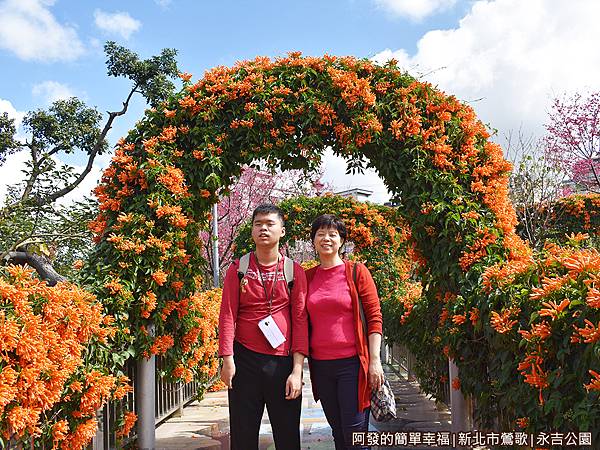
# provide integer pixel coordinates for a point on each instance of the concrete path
(205, 425)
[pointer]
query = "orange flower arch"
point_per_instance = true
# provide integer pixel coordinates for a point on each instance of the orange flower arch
(434, 155)
(156, 195)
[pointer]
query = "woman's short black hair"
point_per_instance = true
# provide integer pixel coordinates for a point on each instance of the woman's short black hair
(328, 221)
(268, 208)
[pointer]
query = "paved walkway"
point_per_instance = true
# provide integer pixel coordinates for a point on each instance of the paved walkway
(205, 425)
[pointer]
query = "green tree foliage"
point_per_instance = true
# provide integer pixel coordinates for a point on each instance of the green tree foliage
(35, 223)
(8, 144)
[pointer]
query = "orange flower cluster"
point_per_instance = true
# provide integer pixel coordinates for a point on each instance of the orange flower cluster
(148, 304)
(413, 291)
(534, 375)
(549, 286)
(594, 385)
(477, 249)
(360, 234)
(326, 112)
(353, 90)
(174, 181)
(130, 419)
(503, 274)
(173, 213)
(538, 331)
(370, 126)
(503, 323)
(199, 342)
(593, 294)
(161, 345)
(581, 208)
(459, 319)
(590, 333)
(456, 384)
(159, 277)
(523, 422)
(43, 333)
(474, 316)
(553, 309)
(168, 134)
(217, 386)
(237, 123)
(587, 260)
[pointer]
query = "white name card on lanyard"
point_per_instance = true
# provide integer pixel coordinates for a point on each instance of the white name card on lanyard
(268, 326)
(271, 331)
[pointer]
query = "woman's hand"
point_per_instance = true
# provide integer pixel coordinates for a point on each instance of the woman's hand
(375, 373)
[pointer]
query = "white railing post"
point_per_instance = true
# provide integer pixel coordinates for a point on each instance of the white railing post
(458, 405)
(179, 412)
(145, 399)
(384, 352)
(215, 244)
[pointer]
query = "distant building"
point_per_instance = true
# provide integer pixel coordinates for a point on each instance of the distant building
(359, 194)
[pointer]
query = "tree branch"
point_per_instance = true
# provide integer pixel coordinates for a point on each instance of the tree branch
(35, 169)
(39, 263)
(97, 146)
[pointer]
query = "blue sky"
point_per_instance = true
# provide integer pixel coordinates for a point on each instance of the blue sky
(508, 58)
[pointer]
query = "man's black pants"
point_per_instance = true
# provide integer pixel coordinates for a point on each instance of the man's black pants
(260, 380)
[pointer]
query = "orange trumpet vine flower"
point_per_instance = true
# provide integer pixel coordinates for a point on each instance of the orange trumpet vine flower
(553, 309)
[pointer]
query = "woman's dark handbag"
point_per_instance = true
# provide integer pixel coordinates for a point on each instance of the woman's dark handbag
(383, 402)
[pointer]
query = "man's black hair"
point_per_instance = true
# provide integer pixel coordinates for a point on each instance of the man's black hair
(328, 221)
(268, 208)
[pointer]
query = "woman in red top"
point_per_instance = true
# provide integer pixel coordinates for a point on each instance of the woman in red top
(345, 364)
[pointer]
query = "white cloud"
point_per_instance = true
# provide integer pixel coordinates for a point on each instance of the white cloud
(163, 3)
(52, 91)
(10, 171)
(415, 9)
(120, 23)
(7, 107)
(28, 29)
(334, 172)
(510, 58)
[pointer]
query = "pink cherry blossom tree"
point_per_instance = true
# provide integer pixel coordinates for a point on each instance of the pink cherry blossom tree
(253, 188)
(574, 139)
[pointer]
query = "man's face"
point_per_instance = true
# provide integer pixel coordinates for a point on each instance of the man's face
(267, 229)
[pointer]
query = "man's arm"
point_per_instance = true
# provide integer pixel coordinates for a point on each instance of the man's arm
(227, 319)
(293, 385)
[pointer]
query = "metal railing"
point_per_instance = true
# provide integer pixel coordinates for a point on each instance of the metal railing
(403, 361)
(170, 399)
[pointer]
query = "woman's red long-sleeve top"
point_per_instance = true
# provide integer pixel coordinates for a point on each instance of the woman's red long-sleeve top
(367, 291)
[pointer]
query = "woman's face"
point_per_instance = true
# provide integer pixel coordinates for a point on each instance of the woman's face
(327, 241)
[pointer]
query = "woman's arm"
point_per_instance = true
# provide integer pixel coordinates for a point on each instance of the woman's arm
(367, 292)
(375, 368)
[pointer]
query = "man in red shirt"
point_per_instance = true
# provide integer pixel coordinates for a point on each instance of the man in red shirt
(263, 339)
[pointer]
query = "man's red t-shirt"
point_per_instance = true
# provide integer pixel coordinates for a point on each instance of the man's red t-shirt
(244, 304)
